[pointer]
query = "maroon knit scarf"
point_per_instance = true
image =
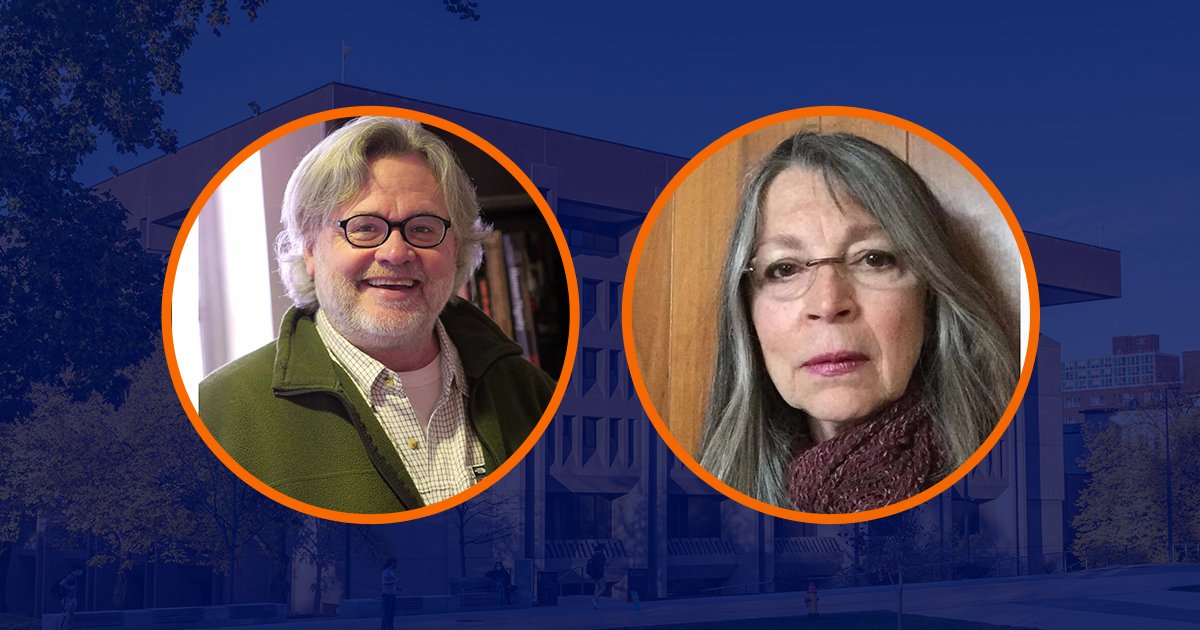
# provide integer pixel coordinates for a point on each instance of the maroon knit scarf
(891, 456)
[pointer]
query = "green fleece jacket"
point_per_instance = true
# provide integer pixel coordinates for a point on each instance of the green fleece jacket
(293, 418)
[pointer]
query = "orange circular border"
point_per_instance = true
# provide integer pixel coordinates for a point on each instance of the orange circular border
(572, 335)
(686, 457)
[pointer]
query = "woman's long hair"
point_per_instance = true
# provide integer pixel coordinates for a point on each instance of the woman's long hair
(969, 364)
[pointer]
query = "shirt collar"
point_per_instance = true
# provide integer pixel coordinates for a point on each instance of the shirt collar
(365, 370)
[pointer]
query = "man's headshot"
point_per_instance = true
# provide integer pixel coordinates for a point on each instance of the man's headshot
(384, 390)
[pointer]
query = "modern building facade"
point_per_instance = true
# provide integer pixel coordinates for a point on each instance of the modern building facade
(1133, 376)
(600, 474)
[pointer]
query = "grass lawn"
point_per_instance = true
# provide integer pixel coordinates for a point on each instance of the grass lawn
(882, 619)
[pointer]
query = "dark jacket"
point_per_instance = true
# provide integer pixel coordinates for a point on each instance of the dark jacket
(293, 418)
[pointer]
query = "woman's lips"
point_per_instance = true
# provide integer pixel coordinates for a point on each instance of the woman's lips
(835, 363)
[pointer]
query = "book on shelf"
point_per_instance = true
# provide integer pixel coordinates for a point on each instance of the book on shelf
(495, 270)
(518, 286)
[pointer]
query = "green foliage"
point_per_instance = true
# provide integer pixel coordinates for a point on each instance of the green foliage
(464, 9)
(137, 478)
(1122, 512)
(72, 71)
(78, 297)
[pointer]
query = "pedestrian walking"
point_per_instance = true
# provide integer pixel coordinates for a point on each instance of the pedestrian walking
(388, 597)
(68, 589)
(595, 570)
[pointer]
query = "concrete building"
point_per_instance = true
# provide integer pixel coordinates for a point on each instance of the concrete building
(600, 475)
(1015, 498)
(1134, 375)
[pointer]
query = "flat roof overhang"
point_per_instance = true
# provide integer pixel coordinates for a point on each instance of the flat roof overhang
(1069, 272)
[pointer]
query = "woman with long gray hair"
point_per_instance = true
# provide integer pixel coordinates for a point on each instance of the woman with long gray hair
(863, 349)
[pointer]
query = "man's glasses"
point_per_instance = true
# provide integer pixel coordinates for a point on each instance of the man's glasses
(790, 278)
(420, 230)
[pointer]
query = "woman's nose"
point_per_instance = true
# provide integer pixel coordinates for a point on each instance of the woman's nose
(831, 296)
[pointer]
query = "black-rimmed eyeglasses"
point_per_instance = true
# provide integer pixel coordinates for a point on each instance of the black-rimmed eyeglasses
(369, 230)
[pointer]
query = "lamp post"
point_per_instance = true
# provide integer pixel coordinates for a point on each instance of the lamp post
(1167, 444)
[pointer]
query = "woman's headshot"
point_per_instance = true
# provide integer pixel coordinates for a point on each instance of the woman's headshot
(863, 345)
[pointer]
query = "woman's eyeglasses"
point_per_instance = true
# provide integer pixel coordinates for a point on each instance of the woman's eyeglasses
(791, 278)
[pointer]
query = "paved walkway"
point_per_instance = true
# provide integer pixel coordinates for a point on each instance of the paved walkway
(1120, 598)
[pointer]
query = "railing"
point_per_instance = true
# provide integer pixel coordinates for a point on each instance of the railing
(700, 547)
(583, 548)
(809, 545)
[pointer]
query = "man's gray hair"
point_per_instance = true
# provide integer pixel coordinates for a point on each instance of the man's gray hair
(337, 169)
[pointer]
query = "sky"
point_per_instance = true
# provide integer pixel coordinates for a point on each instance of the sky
(1084, 119)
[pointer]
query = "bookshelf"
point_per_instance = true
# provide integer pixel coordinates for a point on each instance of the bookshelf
(521, 284)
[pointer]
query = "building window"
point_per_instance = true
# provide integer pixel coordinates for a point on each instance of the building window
(575, 516)
(588, 447)
(630, 444)
(590, 357)
(614, 372)
(694, 516)
(568, 438)
(587, 300)
(614, 439)
(593, 242)
(614, 303)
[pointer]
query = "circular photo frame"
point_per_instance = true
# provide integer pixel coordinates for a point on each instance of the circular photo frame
(328, 417)
(831, 315)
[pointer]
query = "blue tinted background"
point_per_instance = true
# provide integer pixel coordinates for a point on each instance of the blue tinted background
(1084, 119)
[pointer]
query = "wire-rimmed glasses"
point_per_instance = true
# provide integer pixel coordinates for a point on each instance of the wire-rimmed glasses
(790, 278)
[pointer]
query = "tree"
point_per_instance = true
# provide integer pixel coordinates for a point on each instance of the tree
(224, 514)
(78, 296)
(77, 464)
(137, 479)
(323, 543)
(464, 9)
(1122, 510)
(487, 518)
(897, 549)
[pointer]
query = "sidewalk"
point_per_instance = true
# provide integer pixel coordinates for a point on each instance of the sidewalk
(1116, 598)
(1121, 598)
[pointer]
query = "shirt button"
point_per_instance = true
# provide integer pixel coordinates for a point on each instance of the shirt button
(414, 444)
(389, 382)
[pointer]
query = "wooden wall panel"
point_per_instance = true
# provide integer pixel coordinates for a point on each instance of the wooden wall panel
(651, 312)
(704, 213)
(891, 138)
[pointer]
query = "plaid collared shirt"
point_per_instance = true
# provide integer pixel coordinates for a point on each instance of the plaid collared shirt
(441, 461)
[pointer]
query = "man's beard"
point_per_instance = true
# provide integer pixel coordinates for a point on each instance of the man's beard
(382, 324)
